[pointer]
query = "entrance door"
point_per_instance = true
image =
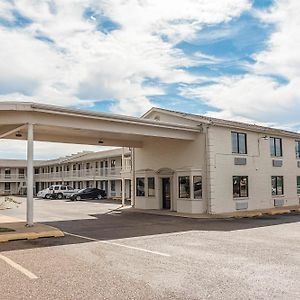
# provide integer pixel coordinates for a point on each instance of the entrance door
(166, 193)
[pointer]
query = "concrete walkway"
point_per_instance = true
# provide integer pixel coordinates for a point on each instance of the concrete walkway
(237, 214)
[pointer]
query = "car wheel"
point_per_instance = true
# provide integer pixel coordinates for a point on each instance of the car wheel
(60, 196)
(99, 197)
(47, 196)
(78, 198)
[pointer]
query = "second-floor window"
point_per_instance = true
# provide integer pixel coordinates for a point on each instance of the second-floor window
(297, 146)
(239, 142)
(276, 146)
(113, 163)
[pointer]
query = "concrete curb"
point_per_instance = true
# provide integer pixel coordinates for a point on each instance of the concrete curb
(21, 232)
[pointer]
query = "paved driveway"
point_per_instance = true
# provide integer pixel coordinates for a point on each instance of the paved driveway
(110, 254)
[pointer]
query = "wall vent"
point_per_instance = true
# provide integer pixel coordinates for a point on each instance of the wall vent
(278, 202)
(241, 205)
(277, 163)
(240, 161)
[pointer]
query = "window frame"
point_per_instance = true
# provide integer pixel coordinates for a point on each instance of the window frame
(180, 196)
(201, 193)
(298, 184)
(151, 194)
(297, 148)
(273, 144)
(238, 134)
(276, 181)
(137, 191)
(239, 186)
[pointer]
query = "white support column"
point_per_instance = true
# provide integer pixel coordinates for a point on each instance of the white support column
(132, 177)
(123, 179)
(29, 175)
(123, 191)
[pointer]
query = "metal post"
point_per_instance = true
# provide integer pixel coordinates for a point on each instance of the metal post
(29, 175)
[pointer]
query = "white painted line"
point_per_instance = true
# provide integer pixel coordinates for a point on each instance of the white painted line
(136, 248)
(18, 267)
(120, 245)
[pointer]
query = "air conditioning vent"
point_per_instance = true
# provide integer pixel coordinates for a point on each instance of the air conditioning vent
(241, 205)
(240, 161)
(278, 202)
(277, 163)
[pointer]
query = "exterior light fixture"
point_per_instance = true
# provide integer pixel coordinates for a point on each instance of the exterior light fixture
(100, 142)
(18, 134)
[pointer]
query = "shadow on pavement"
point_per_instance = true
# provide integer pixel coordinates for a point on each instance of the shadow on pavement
(125, 224)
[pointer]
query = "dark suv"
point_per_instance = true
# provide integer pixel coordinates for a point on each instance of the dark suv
(88, 193)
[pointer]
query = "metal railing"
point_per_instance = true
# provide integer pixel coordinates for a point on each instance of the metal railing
(11, 177)
(80, 174)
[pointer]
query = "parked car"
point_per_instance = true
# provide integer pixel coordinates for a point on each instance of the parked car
(88, 193)
(57, 192)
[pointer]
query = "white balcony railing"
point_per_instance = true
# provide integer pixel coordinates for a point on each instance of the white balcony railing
(12, 177)
(80, 174)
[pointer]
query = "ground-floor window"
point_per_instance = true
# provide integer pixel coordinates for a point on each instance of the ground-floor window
(140, 186)
(184, 187)
(113, 186)
(151, 186)
(277, 185)
(7, 186)
(197, 183)
(240, 186)
(298, 184)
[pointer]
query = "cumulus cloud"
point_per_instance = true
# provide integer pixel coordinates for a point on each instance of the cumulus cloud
(269, 92)
(65, 55)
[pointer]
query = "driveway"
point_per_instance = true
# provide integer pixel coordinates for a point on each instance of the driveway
(111, 254)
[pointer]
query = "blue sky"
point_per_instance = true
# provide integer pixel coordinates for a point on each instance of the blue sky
(233, 59)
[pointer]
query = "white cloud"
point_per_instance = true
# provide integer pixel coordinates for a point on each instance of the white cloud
(263, 94)
(43, 150)
(85, 64)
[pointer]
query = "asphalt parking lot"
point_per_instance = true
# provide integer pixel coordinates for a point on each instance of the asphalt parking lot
(112, 254)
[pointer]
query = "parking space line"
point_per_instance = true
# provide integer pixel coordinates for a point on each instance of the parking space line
(18, 267)
(120, 245)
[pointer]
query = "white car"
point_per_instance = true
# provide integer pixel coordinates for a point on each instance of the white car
(57, 191)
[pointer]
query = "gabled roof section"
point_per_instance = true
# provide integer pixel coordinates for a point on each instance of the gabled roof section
(224, 123)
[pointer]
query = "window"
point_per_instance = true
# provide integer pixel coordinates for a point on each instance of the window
(113, 163)
(276, 146)
(298, 184)
(297, 146)
(240, 186)
(7, 186)
(239, 142)
(151, 186)
(7, 173)
(21, 173)
(277, 185)
(197, 183)
(140, 187)
(113, 186)
(184, 187)
(87, 166)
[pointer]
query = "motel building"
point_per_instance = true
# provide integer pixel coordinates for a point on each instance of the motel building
(167, 160)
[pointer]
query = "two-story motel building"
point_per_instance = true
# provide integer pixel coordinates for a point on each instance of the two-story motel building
(182, 162)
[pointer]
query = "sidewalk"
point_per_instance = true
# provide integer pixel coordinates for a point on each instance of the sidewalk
(237, 214)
